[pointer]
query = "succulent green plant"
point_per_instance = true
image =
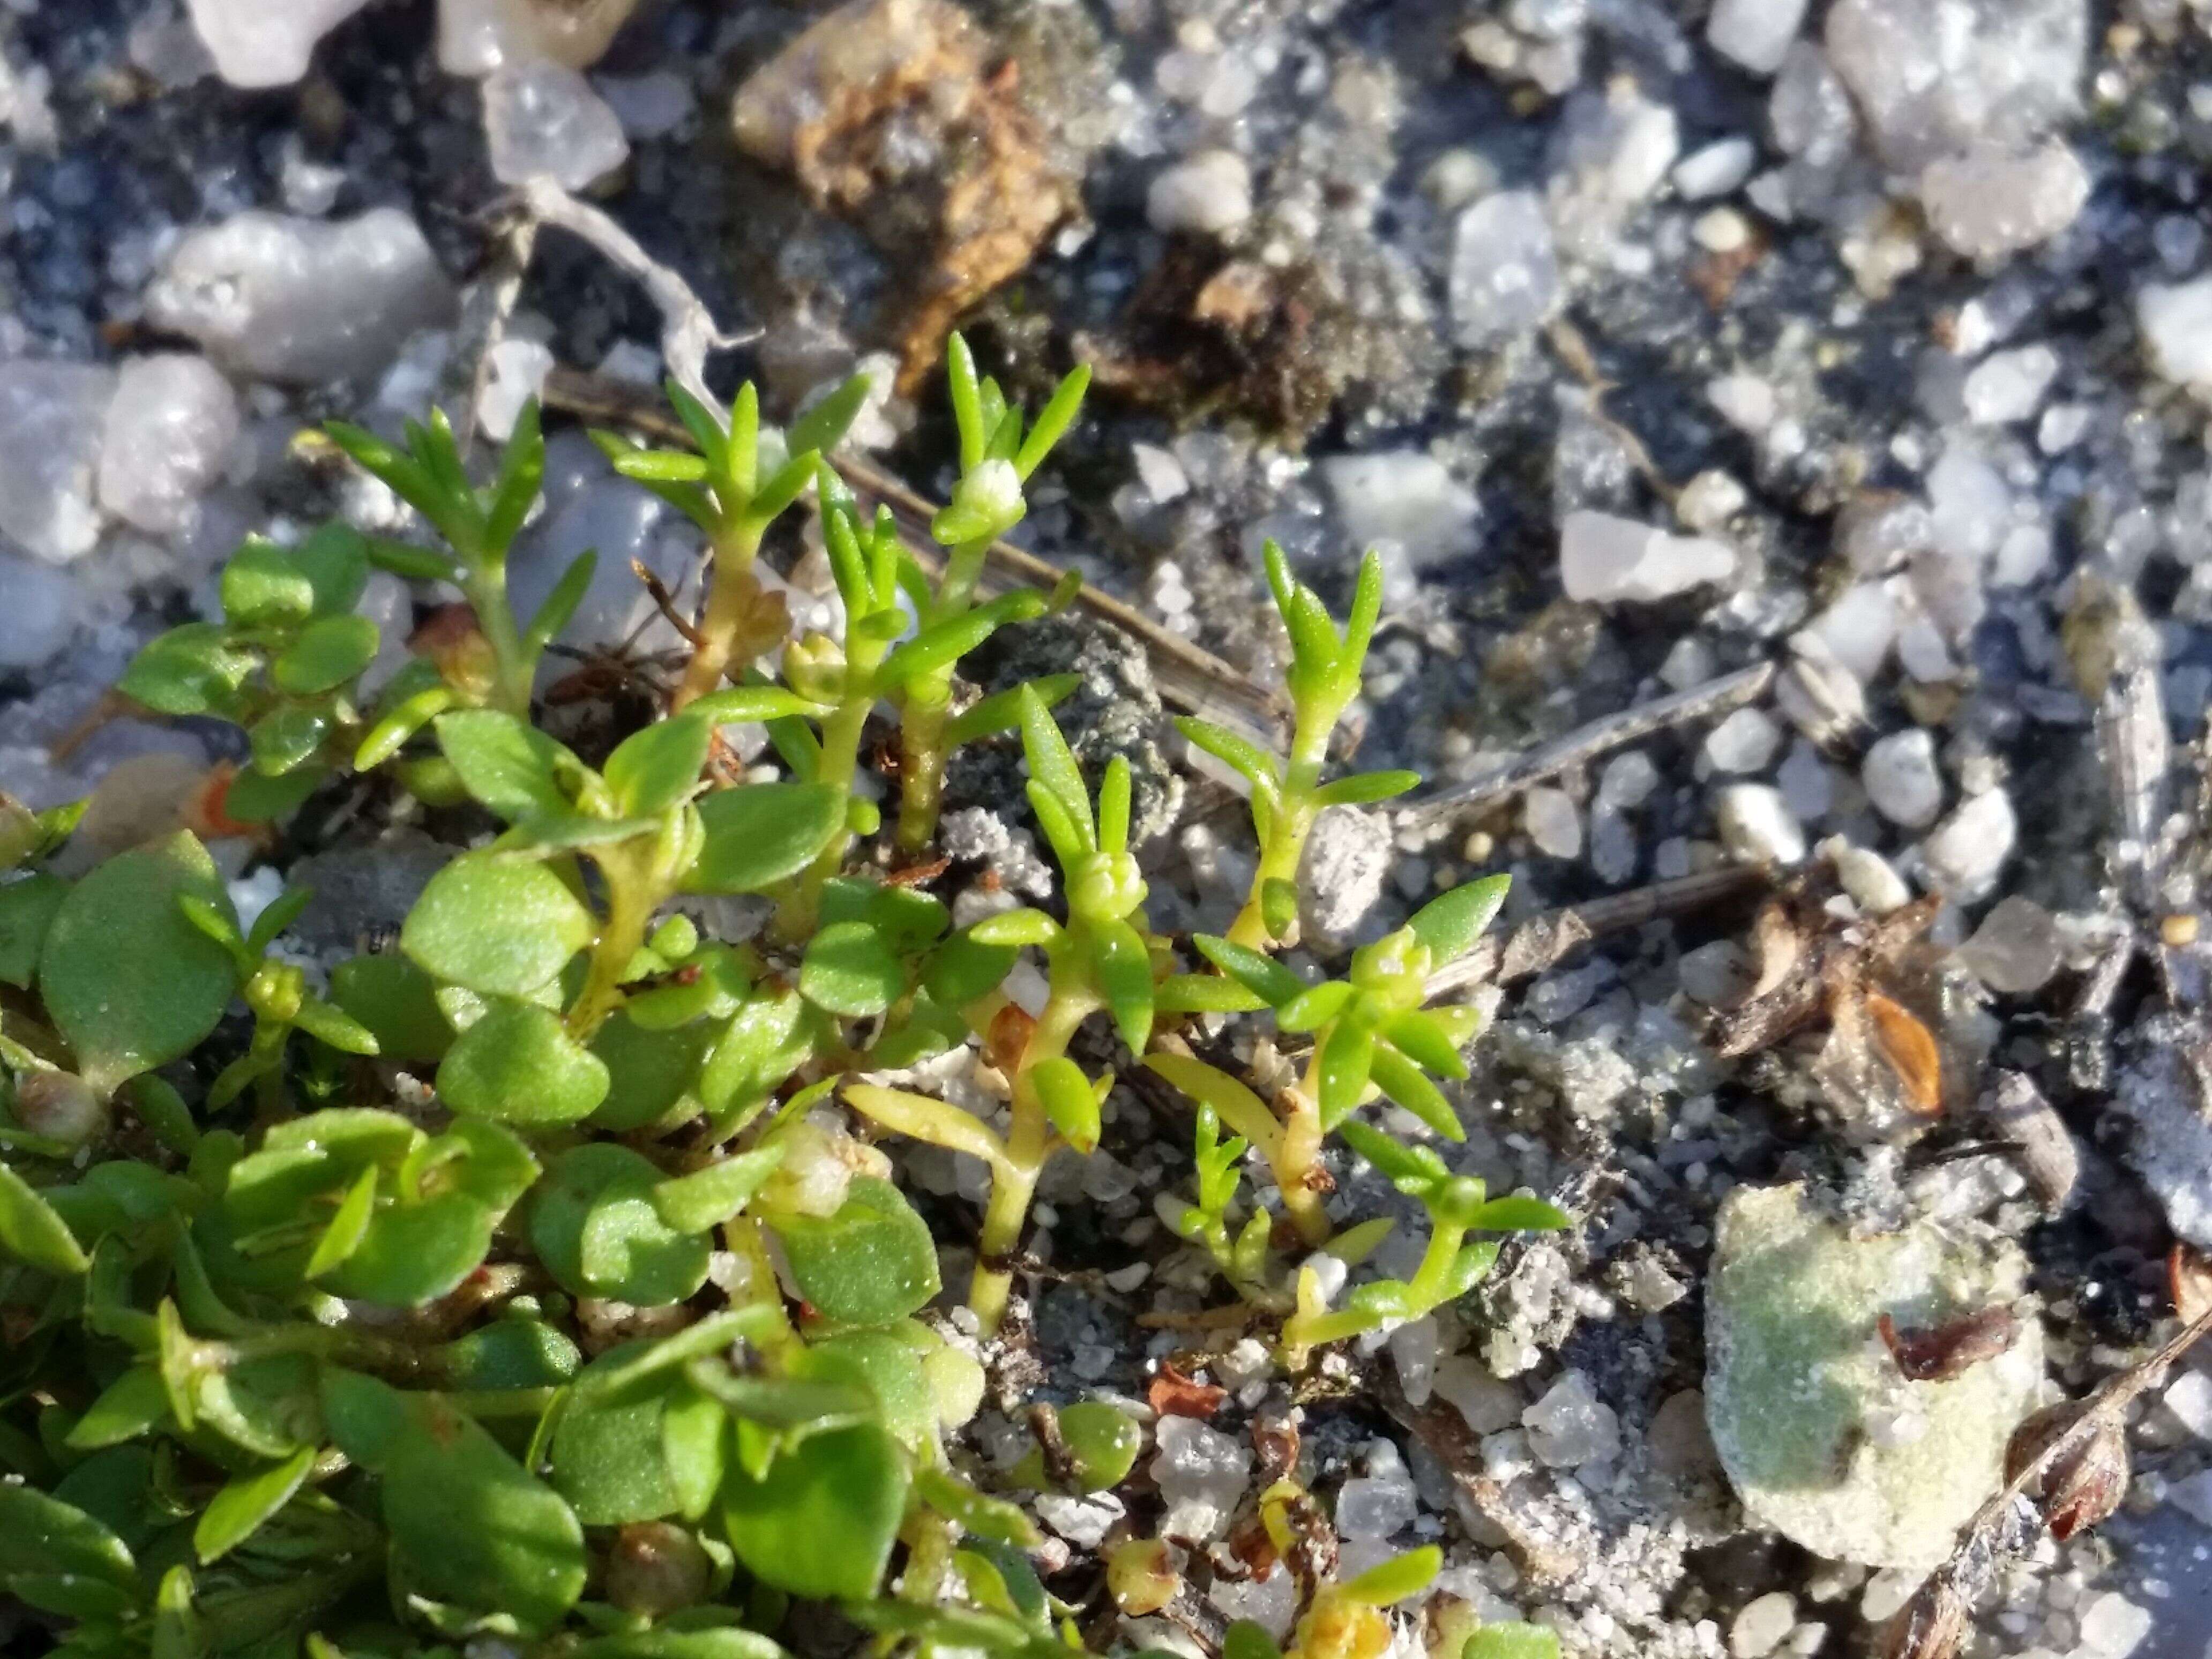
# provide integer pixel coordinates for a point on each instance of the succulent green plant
(1287, 792)
(521, 1277)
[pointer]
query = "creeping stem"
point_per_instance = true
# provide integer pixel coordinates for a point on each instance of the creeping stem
(1028, 1140)
(730, 601)
(1287, 830)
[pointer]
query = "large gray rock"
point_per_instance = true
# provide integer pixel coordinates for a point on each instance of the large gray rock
(1825, 1441)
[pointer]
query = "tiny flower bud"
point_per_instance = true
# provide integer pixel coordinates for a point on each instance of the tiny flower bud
(60, 1105)
(1142, 1576)
(655, 1568)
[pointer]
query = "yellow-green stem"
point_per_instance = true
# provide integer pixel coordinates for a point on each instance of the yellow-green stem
(630, 904)
(1297, 1159)
(729, 607)
(1286, 847)
(922, 719)
(1028, 1140)
(485, 588)
(841, 758)
(927, 709)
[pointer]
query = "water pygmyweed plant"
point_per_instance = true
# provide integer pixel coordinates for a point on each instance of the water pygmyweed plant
(997, 457)
(741, 479)
(873, 572)
(1370, 1035)
(1098, 959)
(1287, 792)
(533, 1275)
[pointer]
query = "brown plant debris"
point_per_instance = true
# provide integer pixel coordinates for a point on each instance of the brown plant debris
(848, 107)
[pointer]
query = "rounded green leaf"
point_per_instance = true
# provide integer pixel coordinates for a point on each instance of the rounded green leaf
(1512, 1641)
(872, 1262)
(335, 562)
(822, 1521)
(648, 1071)
(499, 927)
(1396, 1579)
(851, 969)
(467, 1523)
(187, 671)
(887, 1364)
(519, 1065)
(329, 652)
(128, 981)
(652, 770)
(599, 1233)
(510, 766)
(397, 1002)
(760, 833)
(263, 585)
(287, 735)
(45, 1537)
(413, 1253)
(27, 910)
(606, 1455)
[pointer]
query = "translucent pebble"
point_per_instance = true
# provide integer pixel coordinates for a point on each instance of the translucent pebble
(2189, 1397)
(256, 44)
(2009, 385)
(302, 301)
(1762, 1625)
(51, 418)
(1413, 1350)
(1757, 827)
(1628, 779)
(2113, 1626)
(1201, 1473)
(2176, 321)
(1504, 277)
(1967, 849)
(648, 106)
(544, 120)
(1807, 786)
(1932, 76)
(475, 37)
(169, 430)
(1993, 201)
(519, 369)
(1714, 170)
(1405, 497)
(1209, 193)
(1604, 558)
(2016, 949)
(1483, 1401)
(1755, 33)
(1901, 779)
(40, 606)
(1371, 1507)
(1571, 1426)
(1550, 820)
(1743, 743)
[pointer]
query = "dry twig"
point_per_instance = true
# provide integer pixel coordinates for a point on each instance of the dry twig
(1585, 743)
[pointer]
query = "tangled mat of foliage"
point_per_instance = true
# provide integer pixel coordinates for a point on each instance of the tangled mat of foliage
(298, 1306)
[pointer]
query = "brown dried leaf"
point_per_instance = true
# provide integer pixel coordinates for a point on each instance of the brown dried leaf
(1910, 1048)
(1945, 1351)
(1174, 1394)
(2188, 1275)
(1008, 1038)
